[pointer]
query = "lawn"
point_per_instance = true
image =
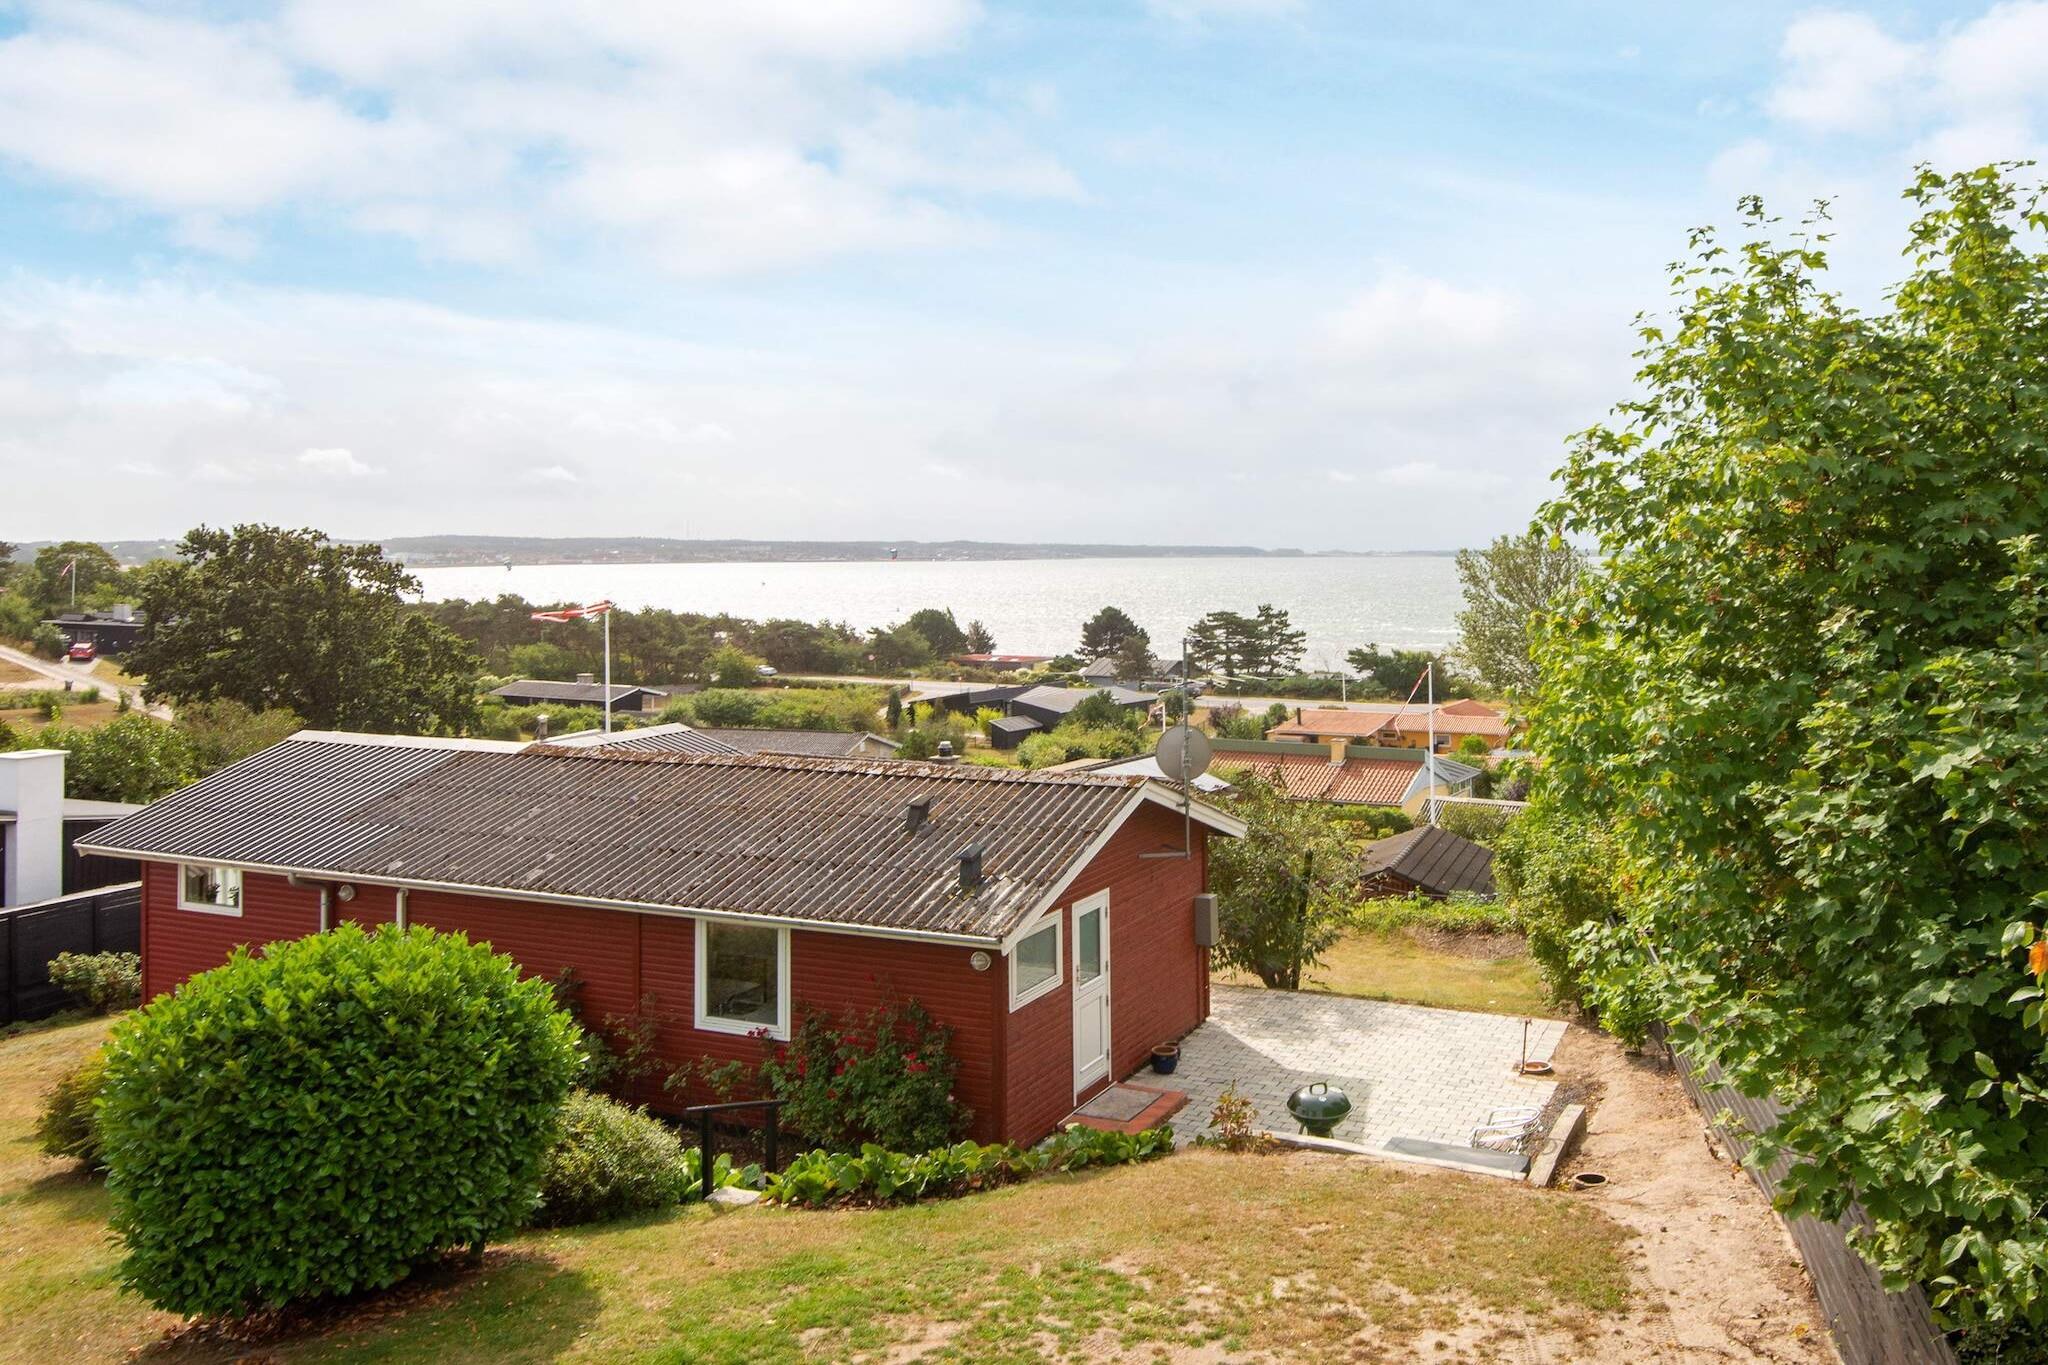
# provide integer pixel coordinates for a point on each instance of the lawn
(1198, 1253)
(1397, 964)
(84, 715)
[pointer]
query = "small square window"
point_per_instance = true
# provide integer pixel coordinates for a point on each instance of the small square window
(742, 978)
(1035, 963)
(214, 890)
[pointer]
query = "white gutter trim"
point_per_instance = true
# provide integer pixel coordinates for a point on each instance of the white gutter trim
(548, 898)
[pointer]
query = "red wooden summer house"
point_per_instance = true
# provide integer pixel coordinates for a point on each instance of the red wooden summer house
(1045, 917)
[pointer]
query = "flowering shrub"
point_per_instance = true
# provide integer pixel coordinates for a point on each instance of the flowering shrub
(99, 981)
(884, 1080)
(608, 1162)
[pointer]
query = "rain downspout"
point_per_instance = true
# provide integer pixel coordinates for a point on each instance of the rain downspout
(403, 922)
(326, 897)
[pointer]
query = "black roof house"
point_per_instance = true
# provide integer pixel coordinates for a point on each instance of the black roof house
(1433, 861)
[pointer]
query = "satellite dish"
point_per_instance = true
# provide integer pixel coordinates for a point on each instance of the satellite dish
(1183, 753)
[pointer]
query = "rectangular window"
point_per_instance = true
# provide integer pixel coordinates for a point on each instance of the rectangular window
(742, 978)
(1035, 963)
(214, 890)
(1087, 946)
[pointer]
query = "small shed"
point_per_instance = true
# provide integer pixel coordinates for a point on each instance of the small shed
(585, 691)
(1430, 860)
(1010, 731)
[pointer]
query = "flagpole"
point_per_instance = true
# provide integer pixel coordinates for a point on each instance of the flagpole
(607, 672)
(1429, 796)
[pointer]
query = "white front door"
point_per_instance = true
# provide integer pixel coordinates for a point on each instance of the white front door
(1091, 990)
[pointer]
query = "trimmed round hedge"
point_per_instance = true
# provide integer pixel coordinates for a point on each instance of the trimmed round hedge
(610, 1161)
(321, 1117)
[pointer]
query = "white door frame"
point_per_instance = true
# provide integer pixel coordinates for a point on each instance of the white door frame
(1093, 994)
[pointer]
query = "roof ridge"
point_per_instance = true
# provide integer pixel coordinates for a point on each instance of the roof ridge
(880, 767)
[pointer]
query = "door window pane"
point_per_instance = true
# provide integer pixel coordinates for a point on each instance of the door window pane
(1087, 946)
(742, 976)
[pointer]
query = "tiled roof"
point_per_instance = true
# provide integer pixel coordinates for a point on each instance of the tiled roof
(811, 743)
(810, 840)
(1311, 776)
(1319, 720)
(1434, 859)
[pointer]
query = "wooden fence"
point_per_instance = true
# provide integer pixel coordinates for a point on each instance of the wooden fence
(104, 921)
(1870, 1325)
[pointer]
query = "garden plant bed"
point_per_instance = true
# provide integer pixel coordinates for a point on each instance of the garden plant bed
(1200, 1256)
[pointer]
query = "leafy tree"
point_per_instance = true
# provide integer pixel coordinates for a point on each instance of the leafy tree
(50, 577)
(724, 706)
(1133, 658)
(940, 631)
(1222, 642)
(543, 659)
(1807, 694)
(730, 666)
(278, 619)
(899, 647)
(1508, 586)
(1278, 644)
(979, 641)
(222, 732)
(1106, 631)
(1099, 711)
(1283, 889)
(1394, 672)
(133, 757)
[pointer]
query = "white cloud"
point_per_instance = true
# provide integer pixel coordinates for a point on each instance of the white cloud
(549, 474)
(717, 139)
(1845, 73)
(1970, 92)
(1190, 10)
(1340, 476)
(336, 462)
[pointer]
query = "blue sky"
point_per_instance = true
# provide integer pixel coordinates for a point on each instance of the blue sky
(1273, 272)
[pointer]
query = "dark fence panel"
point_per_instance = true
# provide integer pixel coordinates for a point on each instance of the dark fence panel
(1870, 1325)
(103, 921)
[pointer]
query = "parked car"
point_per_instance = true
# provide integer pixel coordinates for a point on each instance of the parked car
(82, 653)
(765, 670)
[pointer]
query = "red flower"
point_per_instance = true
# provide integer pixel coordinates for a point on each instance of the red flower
(917, 1068)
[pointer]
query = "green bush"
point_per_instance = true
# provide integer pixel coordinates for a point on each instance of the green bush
(884, 1079)
(1480, 824)
(324, 1117)
(1558, 871)
(99, 981)
(609, 1161)
(878, 1174)
(69, 1124)
(2006, 1343)
(1070, 742)
(1077, 1146)
(1462, 913)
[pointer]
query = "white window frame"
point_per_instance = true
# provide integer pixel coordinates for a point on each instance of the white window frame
(1056, 921)
(711, 1023)
(208, 907)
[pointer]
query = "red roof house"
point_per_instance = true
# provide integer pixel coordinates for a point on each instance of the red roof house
(722, 893)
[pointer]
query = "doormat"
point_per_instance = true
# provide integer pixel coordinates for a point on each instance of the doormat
(1118, 1104)
(1129, 1108)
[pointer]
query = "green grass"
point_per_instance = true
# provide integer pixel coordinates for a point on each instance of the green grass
(1180, 1253)
(1394, 964)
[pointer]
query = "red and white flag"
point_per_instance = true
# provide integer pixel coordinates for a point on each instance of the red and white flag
(68, 570)
(575, 613)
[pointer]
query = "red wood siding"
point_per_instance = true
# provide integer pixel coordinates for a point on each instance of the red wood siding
(179, 943)
(1016, 1069)
(1158, 978)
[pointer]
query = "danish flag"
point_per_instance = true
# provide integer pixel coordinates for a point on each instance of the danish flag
(575, 613)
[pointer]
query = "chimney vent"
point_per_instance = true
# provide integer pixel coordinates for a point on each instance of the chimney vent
(945, 754)
(586, 678)
(916, 814)
(970, 868)
(1337, 747)
(540, 726)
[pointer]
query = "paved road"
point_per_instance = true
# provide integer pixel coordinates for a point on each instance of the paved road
(49, 674)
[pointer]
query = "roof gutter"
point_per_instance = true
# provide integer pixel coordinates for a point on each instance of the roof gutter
(310, 877)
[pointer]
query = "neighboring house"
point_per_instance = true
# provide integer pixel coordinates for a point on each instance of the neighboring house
(808, 743)
(1396, 727)
(1050, 705)
(41, 828)
(1008, 732)
(723, 896)
(1101, 672)
(674, 738)
(110, 632)
(1148, 766)
(1348, 774)
(966, 698)
(1430, 860)
(1003, 663)
(585, 691)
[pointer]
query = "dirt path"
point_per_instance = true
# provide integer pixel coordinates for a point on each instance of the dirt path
(1719, 1277)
